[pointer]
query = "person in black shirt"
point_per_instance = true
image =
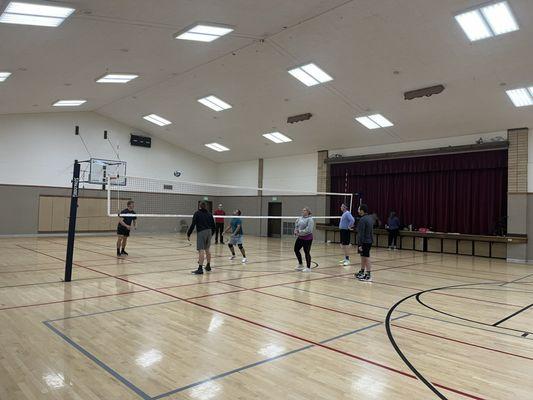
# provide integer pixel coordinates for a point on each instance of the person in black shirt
(365, 237)
(124, 227)
(205, 228)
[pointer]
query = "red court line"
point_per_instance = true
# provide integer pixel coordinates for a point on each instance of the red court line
(392, 369)
(76, 299)
(368, 361)
(447, 294)
(30, 270)
(463, 342)
(375, 320)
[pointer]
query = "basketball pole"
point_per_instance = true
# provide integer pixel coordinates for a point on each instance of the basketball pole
(72, 220)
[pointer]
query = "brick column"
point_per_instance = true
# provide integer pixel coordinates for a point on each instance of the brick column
(517, 197)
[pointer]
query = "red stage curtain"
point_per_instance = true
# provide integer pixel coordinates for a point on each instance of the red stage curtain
(465, 193)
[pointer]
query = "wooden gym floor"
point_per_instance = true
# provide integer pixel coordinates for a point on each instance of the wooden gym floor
(143, 327)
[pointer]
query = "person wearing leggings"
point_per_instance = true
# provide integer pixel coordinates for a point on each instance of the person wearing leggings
(303, 230)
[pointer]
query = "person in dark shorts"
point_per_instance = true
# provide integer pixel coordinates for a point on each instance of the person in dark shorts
(219, 224)
(237, 235)
(365, 235)
(125, 225)
(204, 223)
(346, 223)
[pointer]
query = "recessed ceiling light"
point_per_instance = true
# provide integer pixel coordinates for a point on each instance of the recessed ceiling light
(204, 32)
(521, 97)
(4, 76)
(277, 137)
(116, 78)
(374, 121)
(310, 75)
(156, 119)
(216, 147)
(214, 103)
(484, 22)
(69, 103)
(35, 14)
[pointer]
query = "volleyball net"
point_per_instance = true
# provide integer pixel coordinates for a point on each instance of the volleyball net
(180, 199)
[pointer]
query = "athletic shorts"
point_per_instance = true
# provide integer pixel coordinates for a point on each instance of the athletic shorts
(203, 239)
(365, 249)
(235, 240)
(345, 237)
(122, 231)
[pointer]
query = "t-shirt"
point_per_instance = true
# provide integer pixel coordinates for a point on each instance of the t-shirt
(347, 220)
(128, 220)
(365, 230)
(219, 212)
(234, 223)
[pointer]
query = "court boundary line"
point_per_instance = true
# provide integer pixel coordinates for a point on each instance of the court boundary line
(291, 335)
(137, 390)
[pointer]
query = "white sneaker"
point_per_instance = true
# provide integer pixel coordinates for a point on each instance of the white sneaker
(389, 248)
(299, 267)
(346, 263)
(231, 258)
(342, 261)
(244, 260)
(306, 270)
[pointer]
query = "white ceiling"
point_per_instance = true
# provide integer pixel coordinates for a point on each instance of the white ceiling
(360, 43)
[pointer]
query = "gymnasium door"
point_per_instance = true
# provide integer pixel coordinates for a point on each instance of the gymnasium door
(209, 205)
(274, 225)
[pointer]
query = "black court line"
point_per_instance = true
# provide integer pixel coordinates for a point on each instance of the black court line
(516, 280)
(397, 348)
(513, 315)
(418, 295)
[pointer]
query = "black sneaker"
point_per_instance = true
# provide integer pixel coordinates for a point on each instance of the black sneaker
(199, 271)
(123, 252)
(208, 268)
(216, 242)
(118, 253)
(221, 242)
(360, 273)
(366, 278)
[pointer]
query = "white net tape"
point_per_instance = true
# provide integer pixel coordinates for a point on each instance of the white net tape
(166, 198)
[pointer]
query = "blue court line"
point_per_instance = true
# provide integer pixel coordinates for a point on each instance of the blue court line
(113, 310)
(413, 314)
(144, 395)
(240, 369)
(101, 364)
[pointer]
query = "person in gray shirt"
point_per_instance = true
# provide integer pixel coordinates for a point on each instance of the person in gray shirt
(303, 230)
(365, 236)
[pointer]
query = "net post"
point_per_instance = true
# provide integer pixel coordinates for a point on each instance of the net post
(72, 220)
(108, 197)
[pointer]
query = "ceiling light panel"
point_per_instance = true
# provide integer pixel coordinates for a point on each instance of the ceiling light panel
(69, 103)
(487, 21)
(277, 137)
(310, 75)
(4, 76)
(117, 78)
(204, 32)
(521, 97)
(214, 103)
(217, 147)
(374, 121)
(156, 119)
(35, 14)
